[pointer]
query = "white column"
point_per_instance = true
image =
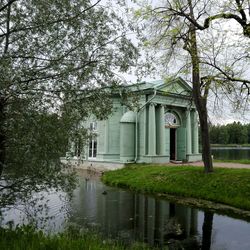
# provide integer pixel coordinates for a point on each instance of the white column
(72, 147)
(188, 132)
(195, 134)
(162, 131)
(151, 130)
(106, 137)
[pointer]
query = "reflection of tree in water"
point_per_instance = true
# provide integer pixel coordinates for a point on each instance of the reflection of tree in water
(207, 230)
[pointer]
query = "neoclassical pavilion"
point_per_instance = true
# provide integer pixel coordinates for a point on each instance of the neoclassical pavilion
(163, 128)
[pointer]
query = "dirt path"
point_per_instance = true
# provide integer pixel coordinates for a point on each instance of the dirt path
(221, 164)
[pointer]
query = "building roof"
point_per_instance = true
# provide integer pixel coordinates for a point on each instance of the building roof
(173, 86)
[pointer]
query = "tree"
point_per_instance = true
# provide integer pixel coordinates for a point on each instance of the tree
(214, 132)
(54, 56)
(237, 133)
(248, 132)
(223, 137)
(176, 27)
(232, 133)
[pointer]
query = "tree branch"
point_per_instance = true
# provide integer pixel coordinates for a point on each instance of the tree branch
(7, 5)
(241, 20)
(7, 28)
(245, 82)
(241, 10)
(44, 24)
(225, 16)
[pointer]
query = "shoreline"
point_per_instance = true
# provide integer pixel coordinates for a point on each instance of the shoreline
(227, 146)
(226, 190)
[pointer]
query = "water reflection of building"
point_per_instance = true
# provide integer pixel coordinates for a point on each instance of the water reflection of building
(132, 217)
(158, 221)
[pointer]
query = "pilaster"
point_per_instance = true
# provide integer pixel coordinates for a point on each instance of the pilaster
(195, 134)
(188, 132)
(161, 142)
(152, 131)
(106, 140)
(72, 147)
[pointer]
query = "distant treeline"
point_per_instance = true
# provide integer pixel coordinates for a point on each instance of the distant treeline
(233, 133)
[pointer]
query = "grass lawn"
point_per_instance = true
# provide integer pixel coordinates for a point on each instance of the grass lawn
(226, 186)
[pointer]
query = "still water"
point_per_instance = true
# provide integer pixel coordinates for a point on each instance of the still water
(224, 153)
(130, 217)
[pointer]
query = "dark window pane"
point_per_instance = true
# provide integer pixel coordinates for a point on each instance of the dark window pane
(92, 147)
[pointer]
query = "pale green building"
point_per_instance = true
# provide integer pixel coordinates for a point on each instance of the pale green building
(163, 128)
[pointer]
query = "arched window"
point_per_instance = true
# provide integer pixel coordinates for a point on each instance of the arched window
(171, 120)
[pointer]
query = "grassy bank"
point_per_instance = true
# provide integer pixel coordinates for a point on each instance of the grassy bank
(226, 186)
(29, 239)
(242, 161)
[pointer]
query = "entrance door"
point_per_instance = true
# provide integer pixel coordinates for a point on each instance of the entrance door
(172, 144)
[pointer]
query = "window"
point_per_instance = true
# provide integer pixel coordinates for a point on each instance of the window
(93, 126)
(92, 140)
(171, 120)
(92, 148)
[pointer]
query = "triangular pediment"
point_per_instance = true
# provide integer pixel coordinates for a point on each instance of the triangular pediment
(176, 86)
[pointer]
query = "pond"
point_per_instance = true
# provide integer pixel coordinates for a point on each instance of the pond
(231, 153)
(130, 217)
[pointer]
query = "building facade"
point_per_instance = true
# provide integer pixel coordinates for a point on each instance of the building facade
(163, 127)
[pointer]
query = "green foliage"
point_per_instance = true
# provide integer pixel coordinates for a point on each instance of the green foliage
(26, 237)
(33, 155)
(226, 186)
(248, 132)
(54, 58)
(238, 133)
(234, 133)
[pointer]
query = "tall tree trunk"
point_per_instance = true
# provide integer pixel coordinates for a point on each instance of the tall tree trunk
(199, 99)
(205, 138)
